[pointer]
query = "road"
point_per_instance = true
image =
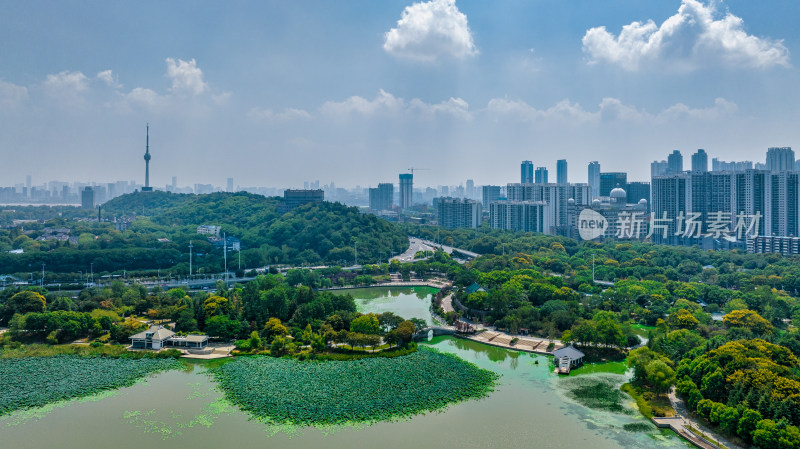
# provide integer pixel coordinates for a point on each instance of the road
(414, 245)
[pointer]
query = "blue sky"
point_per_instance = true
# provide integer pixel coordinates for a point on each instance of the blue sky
(277, 93)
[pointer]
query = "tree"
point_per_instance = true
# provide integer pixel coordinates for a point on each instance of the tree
(747, 424)
(278, 346)
(255, 340)
(683, 319)
(223, 327)
(26, 301)
(365, 324)
(713, 385)
(185, 321)
(273, 328)
(389, 320)
(418, 323)
(766, 434)
(748, 319)
(216, 305)
(405, 332)
(659, 375)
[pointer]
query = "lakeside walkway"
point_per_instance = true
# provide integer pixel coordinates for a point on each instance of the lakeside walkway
(683, 420)
(212, 351)
(526, 344)
(434, 283)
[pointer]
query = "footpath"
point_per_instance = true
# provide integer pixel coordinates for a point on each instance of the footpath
(683, 423)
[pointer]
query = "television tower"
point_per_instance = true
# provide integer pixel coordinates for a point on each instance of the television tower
(147, 187)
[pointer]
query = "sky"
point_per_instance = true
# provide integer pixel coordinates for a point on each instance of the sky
(275, 93)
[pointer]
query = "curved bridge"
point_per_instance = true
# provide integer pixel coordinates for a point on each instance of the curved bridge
(437, 330)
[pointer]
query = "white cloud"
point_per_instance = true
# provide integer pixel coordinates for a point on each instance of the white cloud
(386, 104)
(267, 115)
(12, 95)
(609, 110)
(187, 78)
(722, 107)
(517, 110)
(689, 39)
(144, 97)
(107, 76)
(428, 31)
(66, 87)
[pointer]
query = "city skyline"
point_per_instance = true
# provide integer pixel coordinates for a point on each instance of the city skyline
(274, 94)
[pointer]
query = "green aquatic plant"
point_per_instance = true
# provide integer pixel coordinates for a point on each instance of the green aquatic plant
(37, 381)
(638, 427)
(285, 391)
(596, 392)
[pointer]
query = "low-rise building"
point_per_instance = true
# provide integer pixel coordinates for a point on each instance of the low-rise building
(157, 337)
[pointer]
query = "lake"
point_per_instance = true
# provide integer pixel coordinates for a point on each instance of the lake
(531, 407)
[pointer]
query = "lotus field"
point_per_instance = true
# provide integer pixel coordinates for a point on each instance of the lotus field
(37, 381)
(285, 391)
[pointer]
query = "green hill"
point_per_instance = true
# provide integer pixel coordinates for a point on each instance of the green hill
(164, 223)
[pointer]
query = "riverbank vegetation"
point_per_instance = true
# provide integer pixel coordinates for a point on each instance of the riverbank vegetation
(706, 317)
(265, 316)
(285, 391)
(36, 381)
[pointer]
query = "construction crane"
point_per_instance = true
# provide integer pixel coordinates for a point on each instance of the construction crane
(418, 169)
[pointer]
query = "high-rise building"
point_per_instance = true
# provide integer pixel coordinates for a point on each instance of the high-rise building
(293, 198)
(406, 190)
(526, 216)
(540, 175)
(638, 191)
(470, 193)
(229, 187)
(772, 196)
(174, 183)
(556, 196)
(459, 213)
(611, 180)
(658, 168)
(87, 198)
(561, 171)
(718, 165)
(381, 197)
(28, 186)
(490, 195)
(780, 159)
(147, 187)
(675, 162)
(700, 161)
(526, 169)
(594, 178)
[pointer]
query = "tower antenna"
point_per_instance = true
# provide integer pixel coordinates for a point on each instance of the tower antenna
(147, 187)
